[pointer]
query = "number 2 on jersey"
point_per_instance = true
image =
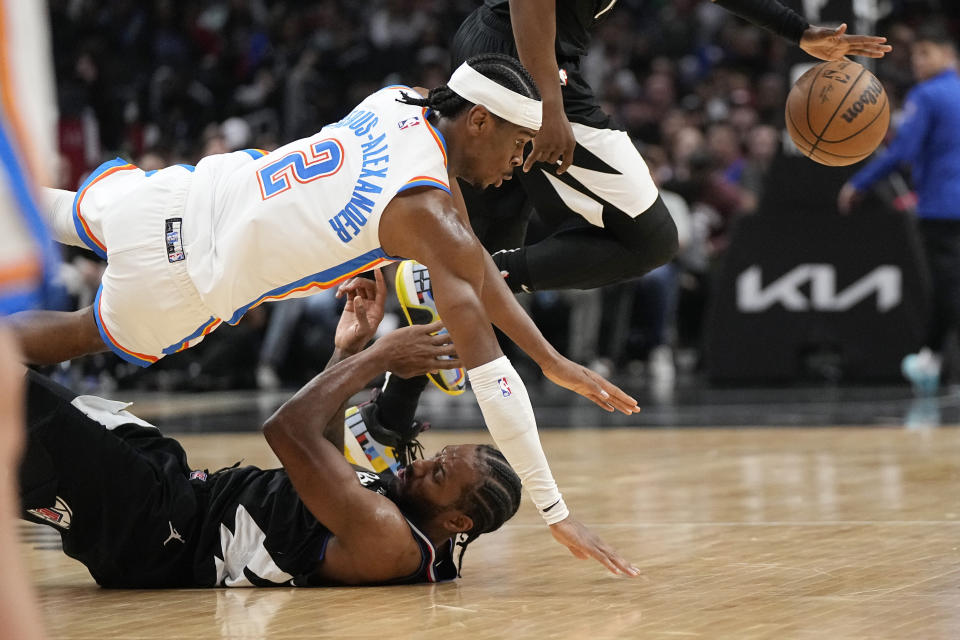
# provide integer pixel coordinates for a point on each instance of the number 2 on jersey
(326, 158)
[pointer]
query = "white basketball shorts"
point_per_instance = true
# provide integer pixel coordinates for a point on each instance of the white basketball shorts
(147, 306)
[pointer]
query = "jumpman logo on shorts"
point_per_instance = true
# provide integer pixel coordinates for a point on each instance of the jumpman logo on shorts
(174, 535)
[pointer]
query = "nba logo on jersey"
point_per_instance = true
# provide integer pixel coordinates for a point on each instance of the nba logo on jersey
(504, 387)
(408, 122)
(563, 77)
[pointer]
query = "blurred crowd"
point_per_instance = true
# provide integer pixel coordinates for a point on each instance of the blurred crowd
(169, 81)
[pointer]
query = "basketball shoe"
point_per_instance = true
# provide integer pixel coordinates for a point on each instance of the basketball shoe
(416, 300)
(383, 448)
(922, 369)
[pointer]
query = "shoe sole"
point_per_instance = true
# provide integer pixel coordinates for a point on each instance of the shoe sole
(361, 448)
(416, 300)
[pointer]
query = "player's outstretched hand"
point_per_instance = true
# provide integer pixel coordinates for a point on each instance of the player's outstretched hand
(554, 142)
(363, 312)
(832, 44)
(591, 385)
(584, 544)
(413, 351)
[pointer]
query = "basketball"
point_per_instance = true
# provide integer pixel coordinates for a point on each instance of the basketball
(837, 113)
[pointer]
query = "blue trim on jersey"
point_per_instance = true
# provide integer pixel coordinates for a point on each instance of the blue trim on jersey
(176, 346)
(188, 167)
(81, 232)
(106, 339)
(326, 276)
(443, 140)
(35, 226)
(323, 547)
(147, 174)
(423, 183)
(18, 301)
(256, 154)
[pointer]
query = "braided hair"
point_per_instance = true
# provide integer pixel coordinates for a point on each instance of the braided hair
(492, 503)
(502, 69)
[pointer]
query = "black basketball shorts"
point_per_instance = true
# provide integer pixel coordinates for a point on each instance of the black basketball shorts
(117, 490)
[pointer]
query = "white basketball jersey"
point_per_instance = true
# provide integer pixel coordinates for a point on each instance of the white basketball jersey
(306, 216)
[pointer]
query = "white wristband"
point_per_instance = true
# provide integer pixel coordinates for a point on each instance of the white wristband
(509, 416)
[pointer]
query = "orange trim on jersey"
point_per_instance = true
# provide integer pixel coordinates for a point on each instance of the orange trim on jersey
(113, 341)
(9, 105)
(439, 183)
(436, 136)
(318, 284)
(80, 195)
(26, 270)
(206, 330)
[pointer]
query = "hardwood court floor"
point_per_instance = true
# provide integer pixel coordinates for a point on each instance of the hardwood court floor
(835, 533)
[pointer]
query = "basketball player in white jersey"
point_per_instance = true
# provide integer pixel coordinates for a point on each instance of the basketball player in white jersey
(191, 247)
(317, 521)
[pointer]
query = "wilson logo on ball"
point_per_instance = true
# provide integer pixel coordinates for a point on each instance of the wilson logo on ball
(837, 113)
(870, 95)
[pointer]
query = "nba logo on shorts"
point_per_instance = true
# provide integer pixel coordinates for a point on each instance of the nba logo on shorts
(409, 122)
(504, 387)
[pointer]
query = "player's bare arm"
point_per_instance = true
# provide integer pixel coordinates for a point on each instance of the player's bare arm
(506, 313)
(372, 540)
(417, 350)
(535, 29)
(458, 268)
(454, 256)
(358, 323)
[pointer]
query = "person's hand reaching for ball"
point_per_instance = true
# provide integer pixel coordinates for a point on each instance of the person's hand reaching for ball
(833, 44)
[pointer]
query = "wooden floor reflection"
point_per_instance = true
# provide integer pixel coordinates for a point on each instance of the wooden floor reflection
(757, 533)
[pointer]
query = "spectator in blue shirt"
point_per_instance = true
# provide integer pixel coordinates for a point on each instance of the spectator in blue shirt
(928, 140)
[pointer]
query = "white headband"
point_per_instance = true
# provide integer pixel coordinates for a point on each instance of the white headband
(472, 85)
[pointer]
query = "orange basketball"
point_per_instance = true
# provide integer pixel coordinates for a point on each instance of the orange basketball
(837, 113)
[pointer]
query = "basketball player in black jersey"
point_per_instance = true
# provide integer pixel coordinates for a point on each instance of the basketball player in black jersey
(584, 178)
(129, 507)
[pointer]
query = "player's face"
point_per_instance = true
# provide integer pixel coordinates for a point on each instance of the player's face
(930, 58)
(436, 484)
(499, 150)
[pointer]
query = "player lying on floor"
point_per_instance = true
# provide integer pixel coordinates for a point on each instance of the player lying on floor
(128, 506)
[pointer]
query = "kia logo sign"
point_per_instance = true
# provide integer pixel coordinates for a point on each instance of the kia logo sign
(791, 291)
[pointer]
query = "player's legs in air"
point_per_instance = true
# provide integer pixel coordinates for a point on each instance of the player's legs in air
(608, 223)
(605, 209)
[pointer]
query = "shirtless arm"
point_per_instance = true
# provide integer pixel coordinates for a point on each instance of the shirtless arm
(506, 313)
(535, 29)
(415, 350)
(371, 539)
(458, 267)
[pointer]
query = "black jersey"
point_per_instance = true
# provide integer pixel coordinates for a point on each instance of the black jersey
(575, 20)
(257, 532)
(128, 506)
